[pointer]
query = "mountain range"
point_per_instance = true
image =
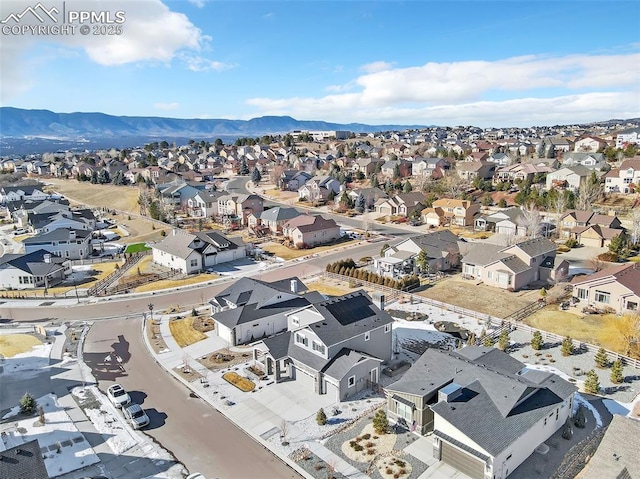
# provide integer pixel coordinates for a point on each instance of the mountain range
(44, 127)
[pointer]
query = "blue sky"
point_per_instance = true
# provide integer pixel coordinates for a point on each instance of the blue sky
(484, 63)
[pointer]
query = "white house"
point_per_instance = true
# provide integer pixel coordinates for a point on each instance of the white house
(193, 253)
(627, 137)
(23, 192)
(63, 242)
(39, 269)
(625, 179)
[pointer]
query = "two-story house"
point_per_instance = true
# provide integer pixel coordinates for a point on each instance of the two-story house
(318, 188)
(625, 179)
(292, 180)
(486, 411)
(63, 242)
(240, 206)
(38, 269)
(272, 220)
(591, 161)
(307, 231)
(469, 170)
(457, 212)
(514, 267)
(204, 204)
(571, 178)
(589, 228)
(630, 136)
(22, 192)
(403, 204)
(333, 347)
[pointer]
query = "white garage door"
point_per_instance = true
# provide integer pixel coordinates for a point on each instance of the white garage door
(305, 380)
(462, 461)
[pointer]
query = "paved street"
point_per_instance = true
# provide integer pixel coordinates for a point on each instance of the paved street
(199, 436)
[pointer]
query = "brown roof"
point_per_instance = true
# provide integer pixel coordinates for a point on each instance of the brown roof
(307, 223)
(631, 163)
(627, 275)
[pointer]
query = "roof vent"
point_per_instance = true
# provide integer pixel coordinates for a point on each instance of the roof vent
(449, 392)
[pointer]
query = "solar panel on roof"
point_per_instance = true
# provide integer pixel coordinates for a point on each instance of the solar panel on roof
(350, 310)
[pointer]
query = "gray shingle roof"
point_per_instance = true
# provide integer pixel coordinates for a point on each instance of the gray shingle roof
(343, 362)
(23, 462)
(61, 234)
(500, 399)
(279, 214)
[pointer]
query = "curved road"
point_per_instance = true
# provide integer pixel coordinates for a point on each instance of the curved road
(198, 435)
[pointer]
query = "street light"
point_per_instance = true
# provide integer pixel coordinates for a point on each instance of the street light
(151, 311)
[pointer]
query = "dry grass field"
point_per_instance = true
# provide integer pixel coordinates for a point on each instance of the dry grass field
(287, 253)
(12, 344)
(607, 330)
(330, 288)
(184, 333)
(479, 297)
(175, 283)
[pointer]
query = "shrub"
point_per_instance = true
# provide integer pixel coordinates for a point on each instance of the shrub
(380, 422)
(592, 383)
(366, 436)
(567, 430)
(321, 417)
(579, 419)
(369, 444)
(389, 470)
(571, 243)
(318, 467)
(371, 451)
(616, 372)
(487, 342)
(503, 340)
(28, 404)
(602, 360)
(567, 346)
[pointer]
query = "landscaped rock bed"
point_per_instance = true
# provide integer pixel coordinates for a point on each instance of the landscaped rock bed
(224, 358)
(381, 456)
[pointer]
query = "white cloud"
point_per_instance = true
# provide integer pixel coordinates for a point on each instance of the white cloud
(199, 64)
(198, 3)
(537, 89)
(376, 67)
(167, 106)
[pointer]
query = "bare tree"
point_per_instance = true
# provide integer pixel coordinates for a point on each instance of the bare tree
(454, 186)
(284, 429)
(587, 194)
(530, 220)
(596, 264)
(275, 175)
(559, 206)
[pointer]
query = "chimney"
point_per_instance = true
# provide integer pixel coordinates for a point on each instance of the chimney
(378, 300)
(294, 286)
(47, 258)
(72, 234)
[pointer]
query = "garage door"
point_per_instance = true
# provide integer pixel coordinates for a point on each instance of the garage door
(463, 462)
(305, 380)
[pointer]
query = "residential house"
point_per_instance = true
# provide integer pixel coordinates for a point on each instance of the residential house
(500, 159)
(470, 170)
(589, 228)
(630, 136)
(457, 212)
(616, 455)
(292, 180)
(367, 166)
(21, 193)
(514, 267)
(589, 144)
(194, 253)
(176, 194)
(371, 196)
(519, 172)
(442, 250)
(486, 411)
(428, 167)
(616, 287)
(318, 188)
(250, 309)
(401, 166)
(82, 219)
(204, 204)
(272, 221)
(62, 242)
(334, 347)
(38, 269)
(307, 231)
(240, 206)
(504, 222)
(625, 179)
(591, 161)
(403, 204)
(570, 178)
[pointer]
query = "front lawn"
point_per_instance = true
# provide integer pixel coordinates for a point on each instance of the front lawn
(184, 333)
(287, 253)
(238, 381)
(136, 248)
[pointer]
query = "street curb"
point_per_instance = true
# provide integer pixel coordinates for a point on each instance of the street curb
(249, 433)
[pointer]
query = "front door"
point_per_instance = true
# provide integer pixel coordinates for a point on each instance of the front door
(373, 376)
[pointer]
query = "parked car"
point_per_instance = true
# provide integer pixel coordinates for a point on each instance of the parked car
(19, 231)
(136, 416)
(118, 396)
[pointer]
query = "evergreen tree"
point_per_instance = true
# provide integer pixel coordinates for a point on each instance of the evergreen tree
(567, 346)
(592, 383)
(536, 341)
(331, 196)
(617, 244)
(407, 187)
(502, 203)
(321, 417)
(616, 372)
(503, 340)
(374, 181)
(380, 422)
(256, 176)
(602, 361)
(580, 419)
(28, 404)
(396, 171)
(361, 203)
(567, 430)
(487, 342)
(422, 261)
(244, 168)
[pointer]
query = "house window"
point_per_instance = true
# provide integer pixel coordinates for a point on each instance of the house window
(583, 293)
(367, 336)
(194, 262)
(295, 321)
(351, 381)
(405, 411)
(509, 456)
(602, 297)
(318, 347)
(387, 328)
(302, 340)
(489, 274)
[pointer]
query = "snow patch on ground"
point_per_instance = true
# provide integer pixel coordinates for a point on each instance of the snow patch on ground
(28, 364)
(579, 400)
(64, 448)
(615, 407)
